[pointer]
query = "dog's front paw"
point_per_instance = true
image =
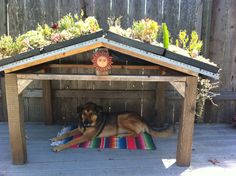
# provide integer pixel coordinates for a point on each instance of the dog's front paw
(56, 149)
(55, 139)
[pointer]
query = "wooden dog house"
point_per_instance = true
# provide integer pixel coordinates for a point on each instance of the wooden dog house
(182, 73)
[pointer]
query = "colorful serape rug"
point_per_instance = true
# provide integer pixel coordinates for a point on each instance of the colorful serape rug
(143, 141)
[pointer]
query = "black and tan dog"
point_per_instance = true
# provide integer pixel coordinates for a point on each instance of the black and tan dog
(95, 123)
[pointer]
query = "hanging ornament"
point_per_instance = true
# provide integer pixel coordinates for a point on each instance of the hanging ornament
(102, 62)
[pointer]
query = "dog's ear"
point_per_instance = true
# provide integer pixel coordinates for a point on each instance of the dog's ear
(99, 109)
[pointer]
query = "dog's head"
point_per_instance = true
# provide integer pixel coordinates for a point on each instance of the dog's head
(88, 114)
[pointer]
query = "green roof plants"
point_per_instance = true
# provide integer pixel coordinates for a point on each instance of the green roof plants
(66, 28)
(146, 30)
(165, 36)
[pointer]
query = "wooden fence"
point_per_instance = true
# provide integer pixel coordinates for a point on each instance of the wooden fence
(212, 19)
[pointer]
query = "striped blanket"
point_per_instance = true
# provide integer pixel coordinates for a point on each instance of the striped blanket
(143, 141)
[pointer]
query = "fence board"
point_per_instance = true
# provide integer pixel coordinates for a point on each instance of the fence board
(222, 51)
(171, 16)
(120, 8)
(102, 12)
(187, 15)
(154, 10)
(136, 10)
(3, 17)
(88, 6)
(69, 6)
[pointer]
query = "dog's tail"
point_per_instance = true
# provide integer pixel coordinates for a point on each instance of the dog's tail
(163, 133)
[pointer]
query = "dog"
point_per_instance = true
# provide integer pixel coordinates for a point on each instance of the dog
(93, 122)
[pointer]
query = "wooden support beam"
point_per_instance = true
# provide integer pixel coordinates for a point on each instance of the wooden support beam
(184, 147)
(149, 67)
(4, 106)
(101, 78)
(15, 120)
(180, 87)
(160, 104)
(47, 102)
(22, 84)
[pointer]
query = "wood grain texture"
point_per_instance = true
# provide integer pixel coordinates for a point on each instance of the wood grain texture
(160, 105)
(3, 26)
(120, 8)
(180, 87)
(187, 15)
(69, 6)
(206, 26)
(184, 147)
(101, 78)
(4, 103)
(171, 16)
(15, 120)
(109, 162)
(222, 51)
(136, 10)
(154, 10)
(102, 12)
(47, 102)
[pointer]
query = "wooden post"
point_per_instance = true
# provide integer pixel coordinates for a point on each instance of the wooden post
(4, 106)
(15, 120)
(47, 102)
(160, 104)
(184, 147)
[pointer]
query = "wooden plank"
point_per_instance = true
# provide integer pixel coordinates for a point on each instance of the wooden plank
(160, 104)
(15, 120)
(102, 12)
(51, 12)
(147, 67)
(171, 13)
(47, 102)
(187, 16)
(106, 94)
(180, 87)
(136, 10)
(69, 6)
(199, 17)
(3, 95)
(228, 95)
(206, 26)
(184, 147)
(120, 8)
(222, 50)
(3, 17)
(16, 17)
(24, 15)
(88, 6)
(150, 59)
(101, 78)
(22, 84)
(154, 10)
(54, 57)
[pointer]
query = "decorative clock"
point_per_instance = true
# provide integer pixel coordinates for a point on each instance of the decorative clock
(102, 62)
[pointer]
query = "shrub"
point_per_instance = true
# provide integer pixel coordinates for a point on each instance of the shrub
(145, 30)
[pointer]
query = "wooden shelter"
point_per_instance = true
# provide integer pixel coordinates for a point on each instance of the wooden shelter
(181, 72)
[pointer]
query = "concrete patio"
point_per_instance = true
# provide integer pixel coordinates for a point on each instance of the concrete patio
(214, 153)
